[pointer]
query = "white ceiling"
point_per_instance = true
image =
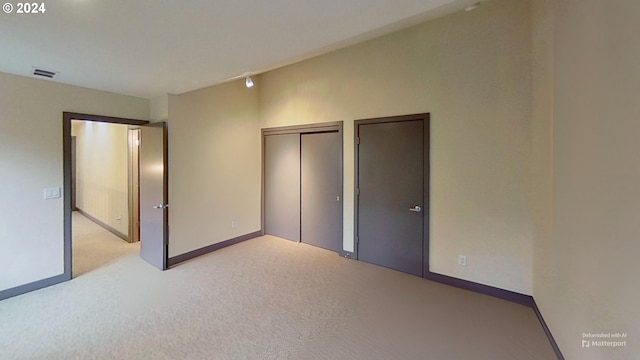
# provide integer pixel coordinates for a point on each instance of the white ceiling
(148, 48)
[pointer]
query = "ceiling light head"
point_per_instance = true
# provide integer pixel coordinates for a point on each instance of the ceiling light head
(473, 6)
(248, 82)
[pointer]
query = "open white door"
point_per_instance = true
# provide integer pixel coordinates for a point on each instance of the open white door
(153, 194)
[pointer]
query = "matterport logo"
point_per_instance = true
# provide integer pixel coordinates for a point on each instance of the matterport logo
(610, 340)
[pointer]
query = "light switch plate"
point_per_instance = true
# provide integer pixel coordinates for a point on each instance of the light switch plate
(52, 193)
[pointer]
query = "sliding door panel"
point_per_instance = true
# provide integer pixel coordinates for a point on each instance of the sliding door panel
(282, 186)
(321, 190)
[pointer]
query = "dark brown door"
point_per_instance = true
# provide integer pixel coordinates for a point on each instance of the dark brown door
(321, 205)
(391, 195)
(153, 195)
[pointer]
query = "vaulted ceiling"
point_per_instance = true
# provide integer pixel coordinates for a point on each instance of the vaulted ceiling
(147, 48)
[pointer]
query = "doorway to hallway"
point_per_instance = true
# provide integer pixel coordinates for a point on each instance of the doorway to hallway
(119, 218)
(104, 189)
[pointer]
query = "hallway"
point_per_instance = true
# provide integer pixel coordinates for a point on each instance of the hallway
(95, 247)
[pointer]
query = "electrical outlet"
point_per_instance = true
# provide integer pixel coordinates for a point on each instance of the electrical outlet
(462, 260)
(234, 224)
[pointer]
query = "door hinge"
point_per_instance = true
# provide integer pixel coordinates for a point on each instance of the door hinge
(358, 191)
(358, 141)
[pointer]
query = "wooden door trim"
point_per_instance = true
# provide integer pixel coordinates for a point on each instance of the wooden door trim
(74, 164)
(133, 182)
(66, 171)
(304, 129)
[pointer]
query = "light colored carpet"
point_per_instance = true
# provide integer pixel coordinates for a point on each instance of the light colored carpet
(265, 298)
(94, 247)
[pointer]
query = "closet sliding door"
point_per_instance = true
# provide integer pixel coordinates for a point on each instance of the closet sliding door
(321, 188)
(282, 186)
(303, 184)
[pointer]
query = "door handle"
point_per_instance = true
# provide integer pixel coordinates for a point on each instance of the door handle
(161, 206)
(416, 209)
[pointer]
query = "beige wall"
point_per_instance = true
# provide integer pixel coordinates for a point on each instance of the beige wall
(586, 274)
(159, 108)
(102, 185)
(472, 72)
(545, 260)
(31, 236)
(214, 166)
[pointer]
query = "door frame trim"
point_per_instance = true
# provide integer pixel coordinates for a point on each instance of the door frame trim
(334, 126)
(66, 175)
(133, 182)
(426, 179)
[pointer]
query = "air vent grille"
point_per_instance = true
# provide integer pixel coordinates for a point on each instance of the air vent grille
(45, 73)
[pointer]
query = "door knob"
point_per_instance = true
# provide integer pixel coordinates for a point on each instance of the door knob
(160, 206)
(416, 209)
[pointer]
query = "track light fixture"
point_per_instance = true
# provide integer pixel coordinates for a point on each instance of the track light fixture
(473, 6)
(248, 82)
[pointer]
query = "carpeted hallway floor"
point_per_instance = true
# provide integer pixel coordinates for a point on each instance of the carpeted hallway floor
(265, 298)
(95, 247)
